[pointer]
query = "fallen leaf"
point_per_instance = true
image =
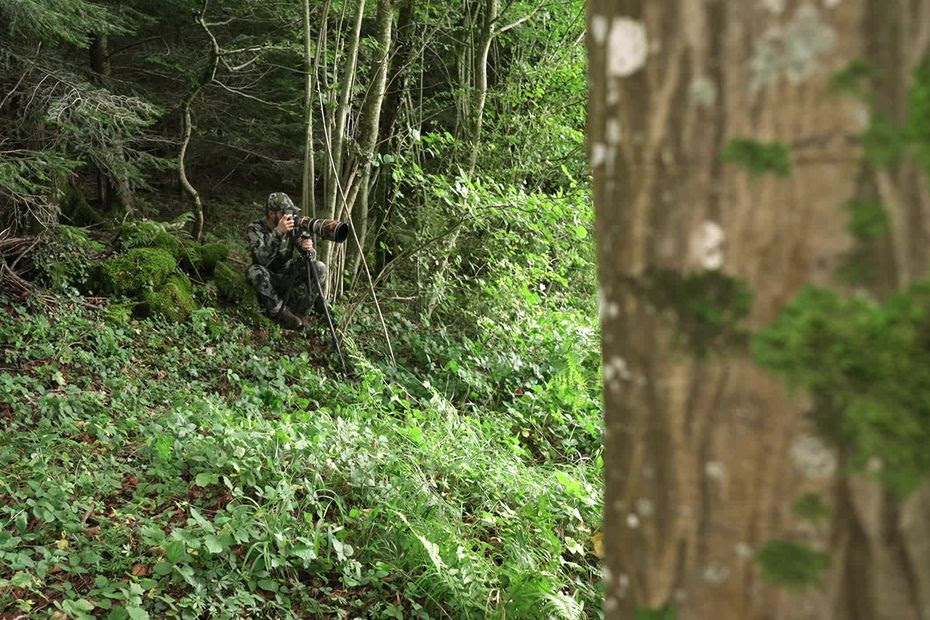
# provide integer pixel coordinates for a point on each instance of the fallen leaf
(140, 570)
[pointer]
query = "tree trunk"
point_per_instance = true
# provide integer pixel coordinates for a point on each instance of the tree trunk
(476, 110)
(396, 86)
(308, 200)
(334, 167)
(187, 125)
(368, 131)
(705, 455)
(108, 187)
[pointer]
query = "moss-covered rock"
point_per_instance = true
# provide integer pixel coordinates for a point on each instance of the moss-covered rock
(211, 254)
(167, 241)
(202, 259)
(173, 300)
(232, 285)
(137, 270)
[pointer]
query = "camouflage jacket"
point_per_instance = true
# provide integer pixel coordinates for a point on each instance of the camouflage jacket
(269, 247)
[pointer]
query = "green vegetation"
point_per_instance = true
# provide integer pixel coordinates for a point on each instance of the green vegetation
(792, 565)
(146, 478)
(169, 453)
(884, 140)
(666, 613)
(707, 308)
(867, 219)
(136, 270)
(232, 285)
(866, 365)
(918, 128)
(173, 300)
(759, 158)
(812, 508)
(852, 79)
(868, 225)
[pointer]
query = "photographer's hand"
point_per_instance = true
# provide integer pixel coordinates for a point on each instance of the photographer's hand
(285, 224)
(306, 245)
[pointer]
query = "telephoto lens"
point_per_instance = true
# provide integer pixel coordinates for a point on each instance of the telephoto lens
(331, 230)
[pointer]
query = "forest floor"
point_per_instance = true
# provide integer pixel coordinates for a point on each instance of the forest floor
(211, 469)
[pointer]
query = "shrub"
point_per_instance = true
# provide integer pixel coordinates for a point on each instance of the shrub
(118, 314)
(65, 259)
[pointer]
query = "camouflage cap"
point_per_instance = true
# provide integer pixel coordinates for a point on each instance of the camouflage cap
(279, 201)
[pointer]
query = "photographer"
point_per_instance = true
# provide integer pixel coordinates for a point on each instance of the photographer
(274, 267)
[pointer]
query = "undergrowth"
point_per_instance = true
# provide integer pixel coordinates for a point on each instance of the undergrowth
(204, 470)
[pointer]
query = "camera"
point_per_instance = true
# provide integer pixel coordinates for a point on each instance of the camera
(330, 230)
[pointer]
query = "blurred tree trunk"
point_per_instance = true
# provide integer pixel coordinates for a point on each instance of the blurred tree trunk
(706, 455)
(882, 545)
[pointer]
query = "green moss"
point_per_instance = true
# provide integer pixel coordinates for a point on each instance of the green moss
(708, 307)
(792, 565)
(759, 158)
(211, 254)
(811, 508)
(868, 224)
(167, 241)
(851, 80)
(118, 314)
(232, 285)
(202, 259)
(867, 219)
(137, 270)
(174, 300)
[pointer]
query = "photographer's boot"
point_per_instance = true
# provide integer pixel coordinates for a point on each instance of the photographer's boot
(286, 319)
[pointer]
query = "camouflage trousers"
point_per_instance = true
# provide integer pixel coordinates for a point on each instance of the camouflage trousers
(271, 287)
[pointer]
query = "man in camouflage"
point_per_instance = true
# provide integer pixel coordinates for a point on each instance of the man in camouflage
(274, 268)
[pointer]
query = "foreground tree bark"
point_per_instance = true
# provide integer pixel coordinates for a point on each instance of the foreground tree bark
(705, 455)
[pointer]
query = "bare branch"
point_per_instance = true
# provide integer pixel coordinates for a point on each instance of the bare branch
(240, 93)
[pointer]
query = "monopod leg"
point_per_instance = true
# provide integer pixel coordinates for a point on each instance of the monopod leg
(314, 276)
